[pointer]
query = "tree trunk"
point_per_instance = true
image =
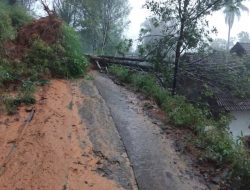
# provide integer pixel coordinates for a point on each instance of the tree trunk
(177, 57)
(229, 35)
(182, 15)
(12, 2)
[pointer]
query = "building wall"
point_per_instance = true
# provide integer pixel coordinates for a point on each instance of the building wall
(241, 122)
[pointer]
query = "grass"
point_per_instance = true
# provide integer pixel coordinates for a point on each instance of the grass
(25, 96)
(212, 135)
(11, 18)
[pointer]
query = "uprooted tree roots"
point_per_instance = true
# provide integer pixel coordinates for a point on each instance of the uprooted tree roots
(46, 29)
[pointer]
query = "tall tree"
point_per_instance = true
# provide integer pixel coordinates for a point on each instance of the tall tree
(232, 9)
(190, 24)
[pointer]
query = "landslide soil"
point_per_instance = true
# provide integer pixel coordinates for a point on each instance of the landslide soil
(52, 151)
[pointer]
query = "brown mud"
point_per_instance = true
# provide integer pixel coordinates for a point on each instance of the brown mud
(53, 150)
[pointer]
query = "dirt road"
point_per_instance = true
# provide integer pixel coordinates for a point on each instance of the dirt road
(88, 134)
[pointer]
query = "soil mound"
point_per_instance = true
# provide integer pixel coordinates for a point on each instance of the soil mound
(46, 29)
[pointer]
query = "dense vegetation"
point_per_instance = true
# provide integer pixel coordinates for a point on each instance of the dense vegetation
(212, 136)
(37, 59)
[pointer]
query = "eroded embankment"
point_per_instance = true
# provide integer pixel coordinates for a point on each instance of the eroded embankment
(52, 151)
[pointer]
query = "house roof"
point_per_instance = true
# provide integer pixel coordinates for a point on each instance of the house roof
(241, 48)
(233, 104)
(246, 46)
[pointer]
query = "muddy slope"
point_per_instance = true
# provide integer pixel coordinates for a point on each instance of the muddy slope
(155, 162)
(53, 151)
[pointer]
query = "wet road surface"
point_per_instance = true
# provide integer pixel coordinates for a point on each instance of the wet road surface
(152, 157)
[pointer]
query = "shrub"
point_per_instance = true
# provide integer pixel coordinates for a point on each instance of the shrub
(19, 16)
(145, 84)
(6, 29)
(11, 18)
(10, 105)
(26, 93)
(41, 60)
(62, 59)
(44, 59)
(76, 62)
(121, 73)
(24, 96)
(241, 169)
(5, 74)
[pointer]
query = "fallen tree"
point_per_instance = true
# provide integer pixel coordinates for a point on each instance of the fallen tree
(134, 63)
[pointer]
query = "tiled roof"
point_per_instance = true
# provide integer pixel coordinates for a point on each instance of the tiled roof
(241, 48)
(233, 104)
(246, 46)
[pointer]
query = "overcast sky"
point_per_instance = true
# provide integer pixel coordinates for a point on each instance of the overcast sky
(138, 15)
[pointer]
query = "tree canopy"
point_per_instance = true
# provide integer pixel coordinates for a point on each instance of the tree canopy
(233, 8)
(100, 22)
(244, 37)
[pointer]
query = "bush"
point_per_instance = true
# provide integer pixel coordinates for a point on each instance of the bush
(24, 96)
(11, 18)
(60, 60)
(76, 62)
(10, 105)
(121, 73)
(6, 29)
(241, 169)
(26, 93)
(19, 16)
(5, 73)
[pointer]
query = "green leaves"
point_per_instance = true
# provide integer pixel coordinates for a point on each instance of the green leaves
(11, 18)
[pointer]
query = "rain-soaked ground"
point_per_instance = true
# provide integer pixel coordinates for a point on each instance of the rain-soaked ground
(155, 163)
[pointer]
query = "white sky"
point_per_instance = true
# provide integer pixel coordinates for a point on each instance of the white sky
(138, 16)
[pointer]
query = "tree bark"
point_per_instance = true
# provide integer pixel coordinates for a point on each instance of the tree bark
(177, 59)
(229, 35)
(182, 15)
(12, 2)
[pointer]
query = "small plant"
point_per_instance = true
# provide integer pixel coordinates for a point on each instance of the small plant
(5, 75)
(11, 18)
(26, 94)
(19, 16)
(121, 73)
(89, 77)
(10, 105)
